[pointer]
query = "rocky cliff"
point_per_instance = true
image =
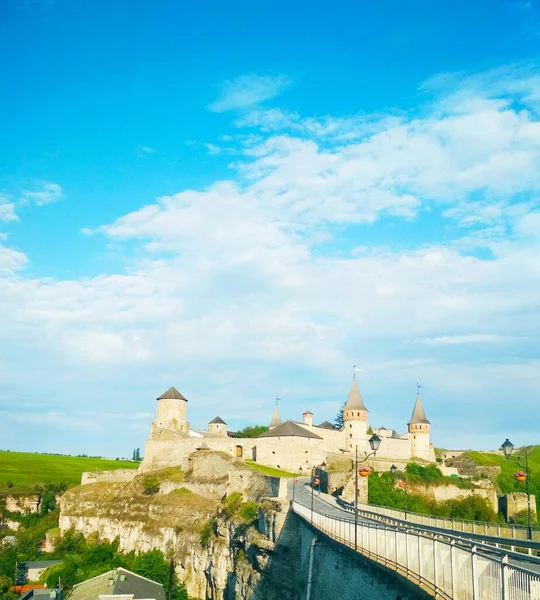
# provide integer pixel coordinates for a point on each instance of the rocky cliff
(221, 553)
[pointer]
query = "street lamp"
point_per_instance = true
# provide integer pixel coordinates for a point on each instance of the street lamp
(374, 444)
(507, 448)
(393, 470)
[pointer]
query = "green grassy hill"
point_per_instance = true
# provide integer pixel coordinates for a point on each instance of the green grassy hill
(506, 479)
(25, 469)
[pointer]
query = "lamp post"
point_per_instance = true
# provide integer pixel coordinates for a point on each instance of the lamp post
(374, 444)
(393, 470)
(507, 448)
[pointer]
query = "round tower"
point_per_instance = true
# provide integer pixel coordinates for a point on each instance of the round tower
(307, 418)
(419, 432)
(355, 418)
(218, 426)
(171, 412)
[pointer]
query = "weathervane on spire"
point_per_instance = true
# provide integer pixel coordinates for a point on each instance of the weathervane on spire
(355, 371)
(418, 386)
(277, 400)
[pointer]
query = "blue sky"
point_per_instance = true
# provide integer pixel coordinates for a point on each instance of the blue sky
(244, 202)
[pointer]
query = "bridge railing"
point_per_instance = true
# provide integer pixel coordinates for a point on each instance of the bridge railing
(447, 569)
(515, 532)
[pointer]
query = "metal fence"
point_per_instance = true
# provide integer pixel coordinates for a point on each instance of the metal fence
(515, 532)
(445, 568)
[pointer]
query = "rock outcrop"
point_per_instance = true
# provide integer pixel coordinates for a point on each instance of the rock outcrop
(219, 555)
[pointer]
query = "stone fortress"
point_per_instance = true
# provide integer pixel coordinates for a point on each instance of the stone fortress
(291, 445)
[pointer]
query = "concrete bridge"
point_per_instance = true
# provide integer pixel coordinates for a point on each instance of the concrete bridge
(442, 563)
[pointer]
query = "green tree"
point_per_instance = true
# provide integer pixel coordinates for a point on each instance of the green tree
(338, 421)
(5, 585)
(154, 566)
(252, 431)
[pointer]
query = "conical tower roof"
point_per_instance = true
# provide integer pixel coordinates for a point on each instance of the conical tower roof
(276, 418)
(172, 394)
(355, 401)
(418, 414)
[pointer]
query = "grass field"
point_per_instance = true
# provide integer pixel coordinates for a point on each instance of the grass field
(25, 469)
(268, 470)
(507, 467)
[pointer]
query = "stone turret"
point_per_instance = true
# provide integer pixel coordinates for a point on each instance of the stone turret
(419, 432)
(355, 417)
(218, 426)
(171, 412)
(308, 417)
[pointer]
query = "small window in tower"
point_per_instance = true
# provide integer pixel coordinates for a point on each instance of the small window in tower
(350, 426)
(350, 435)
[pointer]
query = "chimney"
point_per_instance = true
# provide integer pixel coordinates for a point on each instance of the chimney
(308, 417)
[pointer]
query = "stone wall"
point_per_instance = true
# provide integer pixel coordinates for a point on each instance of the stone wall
(108, 476)
(510, 504)
(294, 454)
(348, 494)
(443, 493)
(466, 467)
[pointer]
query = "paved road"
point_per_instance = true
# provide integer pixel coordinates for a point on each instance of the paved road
(303, 494)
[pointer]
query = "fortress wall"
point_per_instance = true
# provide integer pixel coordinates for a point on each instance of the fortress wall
(292, 454)
(443, 493)
(333, 439)
(108, 476)
(161, 453)
(394, 448)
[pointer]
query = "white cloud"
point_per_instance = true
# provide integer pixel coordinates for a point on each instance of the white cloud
(45, 193)
(7, 210)
(471, 338)
(144, 150)
(279, 266)
(247, 90)
(11, 261)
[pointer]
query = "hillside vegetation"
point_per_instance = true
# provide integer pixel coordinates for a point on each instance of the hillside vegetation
(20, 472)
(506, 479)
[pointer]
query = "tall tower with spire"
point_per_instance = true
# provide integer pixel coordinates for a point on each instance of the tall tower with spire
(355, 417)
(419, 432)
(276, 417)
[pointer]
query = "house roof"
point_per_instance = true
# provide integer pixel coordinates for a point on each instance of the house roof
(418, 415)
(354, 402)
(218, 420)
(172, 394)
(326, 425)
(117, 582)
(276, 418)
(290, 429)
(38, 564)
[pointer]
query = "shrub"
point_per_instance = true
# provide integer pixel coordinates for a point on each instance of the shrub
(231, 503)
(207, 533)
(522, 518)
(150, 485)
(248, 512)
